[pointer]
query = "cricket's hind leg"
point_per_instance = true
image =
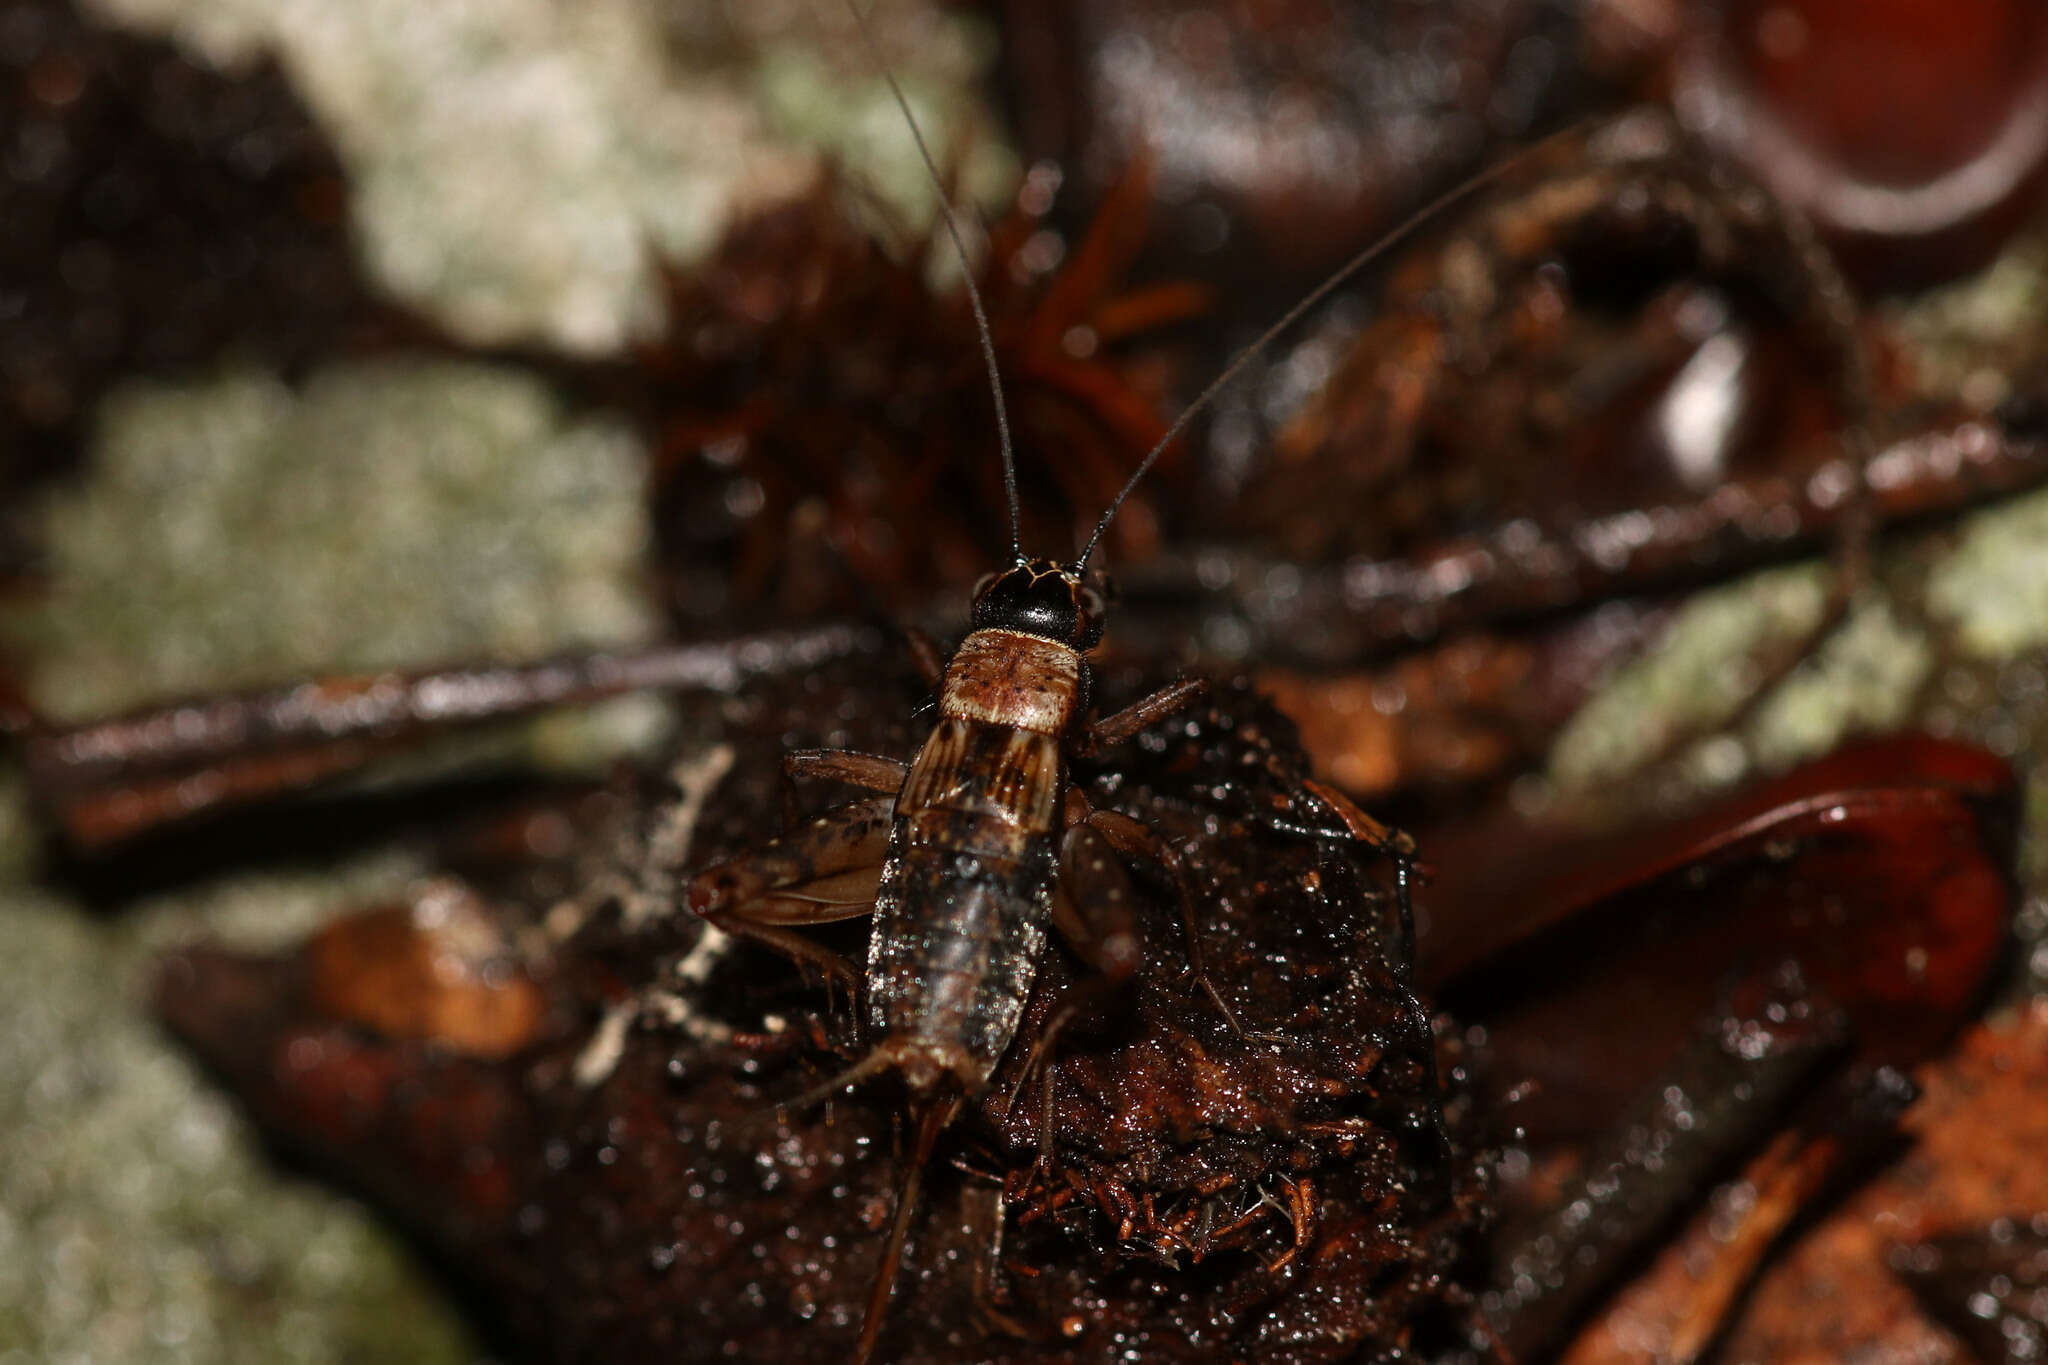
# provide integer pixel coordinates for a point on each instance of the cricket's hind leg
(821, 872)
(1147, 711)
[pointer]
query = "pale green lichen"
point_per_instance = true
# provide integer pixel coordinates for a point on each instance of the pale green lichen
(1697, 676)
(849, 119)
(1993, 590)
(237, 532)
(518, 165)
(139, 1220)
(1969, 337)
(515, 162)
(1863, 678)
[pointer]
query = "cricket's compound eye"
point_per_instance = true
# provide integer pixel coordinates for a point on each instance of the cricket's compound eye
(1042, 598)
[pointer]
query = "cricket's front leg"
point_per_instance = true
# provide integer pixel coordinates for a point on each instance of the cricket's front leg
(1143, 713)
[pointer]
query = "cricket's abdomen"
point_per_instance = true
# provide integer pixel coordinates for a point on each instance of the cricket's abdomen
(964, 898)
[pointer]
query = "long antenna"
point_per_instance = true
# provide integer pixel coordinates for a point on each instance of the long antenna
(988, 345)
(1293, 315)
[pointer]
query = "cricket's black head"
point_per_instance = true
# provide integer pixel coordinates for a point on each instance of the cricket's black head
(1042, 598)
